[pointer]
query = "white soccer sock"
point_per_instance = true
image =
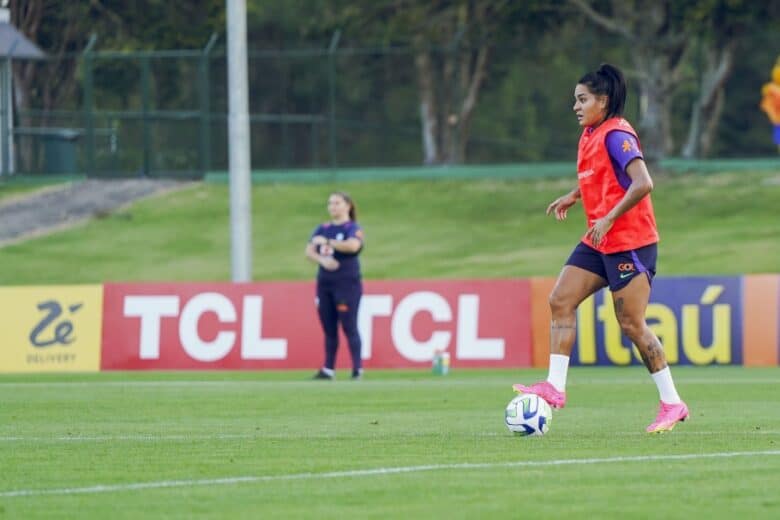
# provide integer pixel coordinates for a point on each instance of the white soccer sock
(666, 389)
(556, 376)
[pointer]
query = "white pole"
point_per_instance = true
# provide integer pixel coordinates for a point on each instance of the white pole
(238, 144)
(6, 104)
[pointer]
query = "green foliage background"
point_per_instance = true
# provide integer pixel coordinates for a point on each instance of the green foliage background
(523, 113)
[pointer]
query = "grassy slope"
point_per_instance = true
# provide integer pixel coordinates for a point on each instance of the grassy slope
(715, 224)
(9, 190)
(77, 431)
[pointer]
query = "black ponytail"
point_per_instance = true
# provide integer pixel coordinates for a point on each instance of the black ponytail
(608, 81)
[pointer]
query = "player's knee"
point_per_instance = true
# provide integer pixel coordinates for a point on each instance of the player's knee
(350, 329)
(631, 326)
(560, 305)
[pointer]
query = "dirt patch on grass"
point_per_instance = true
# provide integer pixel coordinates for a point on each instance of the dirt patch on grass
(60, 207)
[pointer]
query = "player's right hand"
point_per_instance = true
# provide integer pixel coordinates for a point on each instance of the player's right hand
(560, 206)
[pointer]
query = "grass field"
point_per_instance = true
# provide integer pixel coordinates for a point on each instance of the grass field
(398, 444)
(12, 190)
(710, 224)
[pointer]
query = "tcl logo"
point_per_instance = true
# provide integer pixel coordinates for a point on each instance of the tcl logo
(273, 325)
(152, 309)
(467, 343)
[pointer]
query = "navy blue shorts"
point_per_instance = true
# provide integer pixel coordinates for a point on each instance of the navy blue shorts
(617, 268)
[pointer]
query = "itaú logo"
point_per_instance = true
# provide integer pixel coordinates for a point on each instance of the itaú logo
(585, 174)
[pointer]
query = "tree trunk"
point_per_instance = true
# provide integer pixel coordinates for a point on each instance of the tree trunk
(711, 128)
(447, 106)
(428, 107)
(27, 17)
(706, 110)
(654, 125)
(472, 77)
(449, 84)
(449, 94)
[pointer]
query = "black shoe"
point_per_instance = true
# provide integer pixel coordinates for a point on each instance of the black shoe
(322, 375)
(357, 375)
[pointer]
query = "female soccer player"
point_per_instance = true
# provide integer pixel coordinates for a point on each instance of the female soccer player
(619, 248)
(335, 246)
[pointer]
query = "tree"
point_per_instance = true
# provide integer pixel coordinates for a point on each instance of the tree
(722, 28)
(58, 28)
(450, 80)
(707, 108)
(452, 42)
(659, 42)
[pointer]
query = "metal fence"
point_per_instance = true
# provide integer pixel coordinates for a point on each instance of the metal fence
(164, 113)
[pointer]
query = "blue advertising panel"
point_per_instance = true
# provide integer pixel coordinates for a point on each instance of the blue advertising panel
(697, 319)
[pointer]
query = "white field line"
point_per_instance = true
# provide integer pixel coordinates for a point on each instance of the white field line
(422, 382)
(134, 486)
(152, 438)
(141, 437)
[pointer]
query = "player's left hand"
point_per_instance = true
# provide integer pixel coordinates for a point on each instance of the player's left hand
(599, 229)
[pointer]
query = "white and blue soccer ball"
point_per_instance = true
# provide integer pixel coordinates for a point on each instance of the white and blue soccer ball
(527, 415)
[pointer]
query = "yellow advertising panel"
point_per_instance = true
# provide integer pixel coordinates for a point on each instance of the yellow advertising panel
(50, 328)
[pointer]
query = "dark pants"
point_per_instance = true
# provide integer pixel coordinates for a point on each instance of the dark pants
(338, 301)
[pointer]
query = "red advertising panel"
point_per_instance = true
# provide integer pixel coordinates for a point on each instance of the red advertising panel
(274, 325)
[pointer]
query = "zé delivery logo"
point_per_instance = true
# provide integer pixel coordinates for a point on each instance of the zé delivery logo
(50, 329)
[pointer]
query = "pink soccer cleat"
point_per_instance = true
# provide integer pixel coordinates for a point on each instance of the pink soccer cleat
(668, 416)
(545, 390)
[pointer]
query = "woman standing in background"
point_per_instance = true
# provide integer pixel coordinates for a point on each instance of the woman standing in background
(335, 246)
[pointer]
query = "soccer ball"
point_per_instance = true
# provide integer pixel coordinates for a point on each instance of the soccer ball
(528, 414)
